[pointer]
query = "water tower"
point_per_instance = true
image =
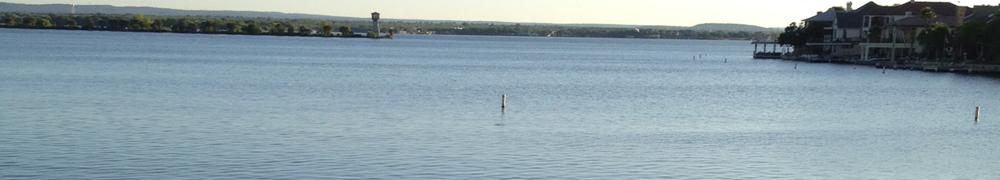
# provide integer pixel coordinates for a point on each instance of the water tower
(375, 18)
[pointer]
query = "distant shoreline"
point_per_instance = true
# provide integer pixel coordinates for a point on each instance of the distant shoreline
(320, 28)
(215, 33)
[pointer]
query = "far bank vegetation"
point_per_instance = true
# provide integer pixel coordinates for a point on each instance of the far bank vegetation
(321, 28)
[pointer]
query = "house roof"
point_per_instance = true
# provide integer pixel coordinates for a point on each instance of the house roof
(868, 8)
(940, 8)
(850, 20)
(982, 13)
(950, 21)
(827, 16)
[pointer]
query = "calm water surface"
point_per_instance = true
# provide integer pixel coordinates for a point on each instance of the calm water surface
(109, 105)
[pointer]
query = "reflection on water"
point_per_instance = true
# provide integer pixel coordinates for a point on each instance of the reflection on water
(107, 105)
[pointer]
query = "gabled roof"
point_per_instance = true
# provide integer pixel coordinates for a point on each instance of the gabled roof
(868, 8)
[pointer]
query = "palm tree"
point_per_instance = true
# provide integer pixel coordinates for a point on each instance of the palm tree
(927, 14)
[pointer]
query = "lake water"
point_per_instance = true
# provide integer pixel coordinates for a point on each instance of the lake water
(111, 105)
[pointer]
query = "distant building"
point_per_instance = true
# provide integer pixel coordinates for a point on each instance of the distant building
(375, 25)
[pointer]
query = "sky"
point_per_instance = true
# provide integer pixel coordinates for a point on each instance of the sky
(766, 13)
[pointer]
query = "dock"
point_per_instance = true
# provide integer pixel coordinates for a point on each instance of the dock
(892, 62)
(773, 54)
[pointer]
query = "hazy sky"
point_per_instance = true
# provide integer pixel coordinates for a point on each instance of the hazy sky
(768, 13)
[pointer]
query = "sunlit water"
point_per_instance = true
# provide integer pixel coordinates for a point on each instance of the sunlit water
(108, 105)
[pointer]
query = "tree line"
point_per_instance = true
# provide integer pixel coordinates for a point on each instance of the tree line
(597, 32)
(186, 24)
(313, 27)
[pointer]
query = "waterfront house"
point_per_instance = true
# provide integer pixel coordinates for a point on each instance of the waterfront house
(884, 31)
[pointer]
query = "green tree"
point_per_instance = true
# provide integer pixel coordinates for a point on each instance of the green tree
(43, 23)
(157, 25)
(72, 24)
(793, 35)
(327, 29)
(935, 39)
(253, 29)
(10, 22)
(180, 26)
(91, 24)
(303, 30)
(185, 26)
(346, 31)
(192, 27)
(140, 22)
(233, 28)
(209, 27)
(29, 22)
(837, 8)
(927, 14)
(973, 38)
(279, 29)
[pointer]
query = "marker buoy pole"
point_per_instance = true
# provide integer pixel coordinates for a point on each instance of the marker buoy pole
(503, 104)
(726, 61)
(796, 65)
(977, 114)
